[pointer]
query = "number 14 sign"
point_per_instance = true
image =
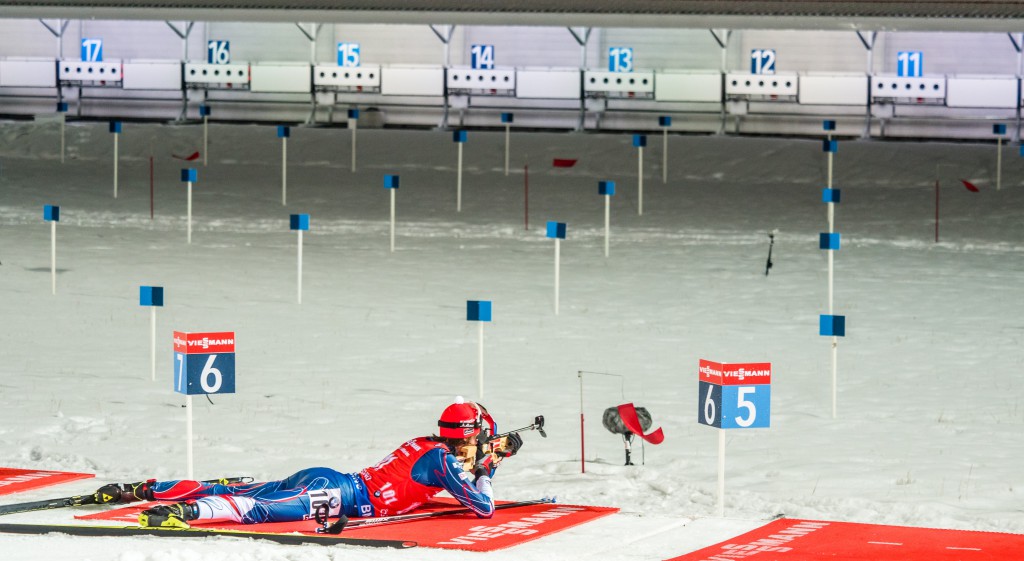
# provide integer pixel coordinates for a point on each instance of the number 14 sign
(204, 363)
(735, 396)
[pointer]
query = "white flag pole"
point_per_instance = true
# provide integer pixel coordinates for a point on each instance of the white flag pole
(152, 342)
(508, 135)
(206, 136)
(115, 163)
(300, 266)
(190, 212)
(62, 138)
(830, 153)
(640, 183)
(53, 256)
(480, 361)
(354, 125)
(558, 252)
(284, 171)
(721, 473)
(999, 164)
(664, 156)
(607, 221)
(188, 436)
(458, 183)
(831, 270)
(392, 220)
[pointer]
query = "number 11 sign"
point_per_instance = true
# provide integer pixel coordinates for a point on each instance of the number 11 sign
(910, 64)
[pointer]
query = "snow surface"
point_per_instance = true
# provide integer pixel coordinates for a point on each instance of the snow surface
(930, 409)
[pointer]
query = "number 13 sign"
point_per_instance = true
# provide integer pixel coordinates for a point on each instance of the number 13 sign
(204, 363)
(735, 396)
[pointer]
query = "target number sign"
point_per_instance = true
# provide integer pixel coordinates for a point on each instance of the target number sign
(910, 64)
(218, 52)
(204, 363)
(482, 57)
(92, 50)
(762, 61)
(348, 54)
(734, 396)
(620, 59)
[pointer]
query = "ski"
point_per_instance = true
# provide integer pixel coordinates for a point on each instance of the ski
(47, 504)
(82, 500)
(194, 532)
(347, 523)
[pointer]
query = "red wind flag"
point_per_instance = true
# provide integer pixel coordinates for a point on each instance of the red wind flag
(627, 412)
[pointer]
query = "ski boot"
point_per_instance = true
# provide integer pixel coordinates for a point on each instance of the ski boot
(176, 515)
(127, 493)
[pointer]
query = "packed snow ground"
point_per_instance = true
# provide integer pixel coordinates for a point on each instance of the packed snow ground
(930, 409)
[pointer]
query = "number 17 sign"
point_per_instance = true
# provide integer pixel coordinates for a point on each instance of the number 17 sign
(204, 363)
(735, 396)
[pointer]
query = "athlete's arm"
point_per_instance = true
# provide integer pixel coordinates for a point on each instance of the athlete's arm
(438, 468)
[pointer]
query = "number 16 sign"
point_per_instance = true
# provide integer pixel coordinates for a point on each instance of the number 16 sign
(204, 363)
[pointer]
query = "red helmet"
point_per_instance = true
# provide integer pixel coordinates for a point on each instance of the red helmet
(459, 420)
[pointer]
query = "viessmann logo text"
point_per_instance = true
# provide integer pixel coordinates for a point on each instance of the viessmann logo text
(205, 342)
(776, 545)
(522, 526)
(22, 478)
(708, 371)
(742, 373)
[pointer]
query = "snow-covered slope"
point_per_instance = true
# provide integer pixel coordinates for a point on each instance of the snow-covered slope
(929, 406)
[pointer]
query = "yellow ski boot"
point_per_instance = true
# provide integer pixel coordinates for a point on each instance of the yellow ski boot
(176, 515)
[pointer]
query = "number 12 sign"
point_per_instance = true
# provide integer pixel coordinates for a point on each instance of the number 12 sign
(204, 363)
(735, 396)
(762, 61)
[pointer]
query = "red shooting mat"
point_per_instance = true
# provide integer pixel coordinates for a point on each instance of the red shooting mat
(807, 540)
(14, 480)
(507, 528)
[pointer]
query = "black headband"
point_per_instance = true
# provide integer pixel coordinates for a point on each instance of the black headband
(459, 425)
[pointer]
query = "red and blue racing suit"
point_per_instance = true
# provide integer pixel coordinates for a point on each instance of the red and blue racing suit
(401, 482)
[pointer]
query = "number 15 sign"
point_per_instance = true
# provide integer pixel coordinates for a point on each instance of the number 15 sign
(204, 363)
(735, 396)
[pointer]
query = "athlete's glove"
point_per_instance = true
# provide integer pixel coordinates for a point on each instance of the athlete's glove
(484, 463)
(512, 445)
